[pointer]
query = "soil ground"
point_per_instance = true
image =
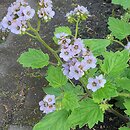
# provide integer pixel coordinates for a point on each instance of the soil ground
(20, 88)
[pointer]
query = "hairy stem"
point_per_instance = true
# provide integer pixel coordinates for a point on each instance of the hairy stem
(31, 35)
(38, 25)
(38, 37)
(119, 42)
(124, 95)
(77, 28)
(126, 119)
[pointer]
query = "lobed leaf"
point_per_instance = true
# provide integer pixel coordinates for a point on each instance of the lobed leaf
(124, 3)
(34, 59)
(127, 106)
(88, 112)
(107, 92)
(54, 121)
(55, 77)
(124, 83)
(119, 28)
(52, 91)
(66, 88)
(115, 63)
(97, 46)
(124, 128)
(70, 101)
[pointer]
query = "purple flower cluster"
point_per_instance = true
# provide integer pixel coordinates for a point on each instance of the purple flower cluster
(128, 46)
(17, 16)
(80, 12)
(45, 11)
(96, 83)
(47, 105)
(77, 58)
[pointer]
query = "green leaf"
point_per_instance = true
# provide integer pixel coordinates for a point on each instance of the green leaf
(124, 128)
(55, 77)
(89, 113)
(119, 28)
(126, 73)
(119, 102)
(66, 88)
(34, 59)
(53, 121)
(124, 3)
(127, 106)
(115, 63)
(61, 29)
(123, 83)
(70, 88)
(52, 91)
(107, 92)
(97, 46)
(70, 101)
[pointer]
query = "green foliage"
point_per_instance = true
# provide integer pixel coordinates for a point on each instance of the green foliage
(107, 92)
(88, 112)
(105, 106)
(34, 59)
(124, 128)
(66, 88)
(115, 63)
(124, 3)
(124, 83)
(55, 77)
(70, 101)
(61, 29)
(126, 73)
(69, 87)
(119, 102)
(54, 121)
(119, 28)
(97, 46)
(127, 106)
(52, 91)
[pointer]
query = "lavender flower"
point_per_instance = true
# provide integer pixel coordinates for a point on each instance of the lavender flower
(50, 99)
(96, 83)
(77, 46)
(28, 12)
(45, 3)
(79, 13)
(101, 80)
(47, 105)
(45, 12)
(7, 22)
(93, 84)
(128, 46)
(90, 61)
(81, 10)
(76, 72)
(66, 54)
(78, 59)
(61, 35)
(17, 16)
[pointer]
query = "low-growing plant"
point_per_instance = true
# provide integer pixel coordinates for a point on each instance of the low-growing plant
(86, 75)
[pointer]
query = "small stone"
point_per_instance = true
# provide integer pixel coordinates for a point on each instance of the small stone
(15, 127)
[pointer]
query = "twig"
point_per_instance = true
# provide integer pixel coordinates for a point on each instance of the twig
(126, 119)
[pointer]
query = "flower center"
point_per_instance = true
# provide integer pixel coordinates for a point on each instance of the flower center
(49, 99)
(94, 84)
